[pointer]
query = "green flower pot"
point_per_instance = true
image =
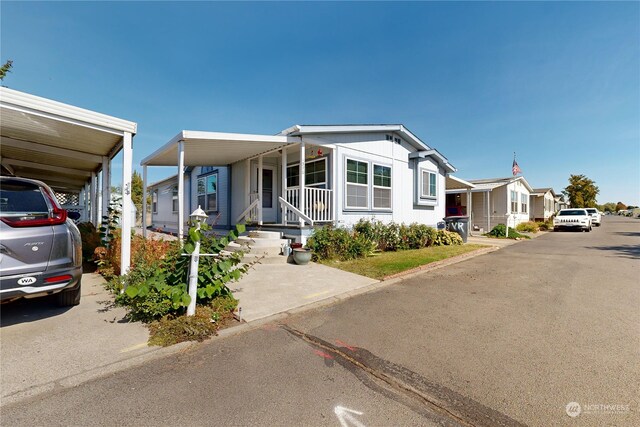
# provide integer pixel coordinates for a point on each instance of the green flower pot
(302, 256)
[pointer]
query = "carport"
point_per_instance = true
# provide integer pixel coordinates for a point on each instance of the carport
(70, 149)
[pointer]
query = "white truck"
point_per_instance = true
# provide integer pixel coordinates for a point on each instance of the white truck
(596, 216)
(572, 219)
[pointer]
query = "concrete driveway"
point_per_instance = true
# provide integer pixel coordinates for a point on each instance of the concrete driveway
(43, 347)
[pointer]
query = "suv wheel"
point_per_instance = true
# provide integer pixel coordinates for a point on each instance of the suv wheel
(70, 298)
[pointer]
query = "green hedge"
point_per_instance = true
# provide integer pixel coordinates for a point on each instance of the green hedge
(368, 236)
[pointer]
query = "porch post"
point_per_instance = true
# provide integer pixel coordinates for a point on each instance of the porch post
(284, 184)
(181, 191)
(92, 199)
(247, 182)
(127, 159)
(260, 189)
(302, 179)
(488, 211)
(469, 204)
(106, 181)
(144, 201)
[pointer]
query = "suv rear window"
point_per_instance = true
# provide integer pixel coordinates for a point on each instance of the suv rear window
(591, 210)
(19, 198)
(575, 212)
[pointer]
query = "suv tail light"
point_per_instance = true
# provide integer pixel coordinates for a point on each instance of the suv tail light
(56, 217)
(56, 279)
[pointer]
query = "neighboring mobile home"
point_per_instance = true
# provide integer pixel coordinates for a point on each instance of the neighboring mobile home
(350, 172)
(493, 201)
(542, 204)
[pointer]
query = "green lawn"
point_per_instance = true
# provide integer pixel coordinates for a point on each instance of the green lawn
(385, 264)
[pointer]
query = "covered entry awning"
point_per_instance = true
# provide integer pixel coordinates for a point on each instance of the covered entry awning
(67, 147)
(204, 148)
(197, 148)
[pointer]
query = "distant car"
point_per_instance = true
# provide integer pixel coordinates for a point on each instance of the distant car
(572, 219)
(40, 249)
(596, 216)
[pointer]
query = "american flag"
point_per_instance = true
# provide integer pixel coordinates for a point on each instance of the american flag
(515, 169)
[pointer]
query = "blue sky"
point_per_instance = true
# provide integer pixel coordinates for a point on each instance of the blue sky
(558, 83)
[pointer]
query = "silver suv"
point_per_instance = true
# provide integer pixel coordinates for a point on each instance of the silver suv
(40, 248)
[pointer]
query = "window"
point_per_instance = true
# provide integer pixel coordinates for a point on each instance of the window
(523, 202)
(315, 173)
(174, 199)
(267, 188)
(208, 192)
(357, 184)
(207, 169)
(514, 202)
(154, 202)
(429, 184)
(381, 187)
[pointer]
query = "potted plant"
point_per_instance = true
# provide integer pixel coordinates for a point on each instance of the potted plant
(302, 256)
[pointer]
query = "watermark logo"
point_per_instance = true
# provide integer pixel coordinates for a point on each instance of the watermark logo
(573, 409)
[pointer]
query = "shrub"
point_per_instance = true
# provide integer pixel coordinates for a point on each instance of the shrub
(156, 285)
(393, 236)
(500, 230)
(447, 238)
(529, 227)
(339, 243)
(544, 226)
(90, 239)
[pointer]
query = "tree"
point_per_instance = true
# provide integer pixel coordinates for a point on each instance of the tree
(6, 68)
(136, 191)
(581, 192)
(620, 206)
(609, 207)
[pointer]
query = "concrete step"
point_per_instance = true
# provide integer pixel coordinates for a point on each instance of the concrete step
(258, 258)
(258, 250)
(265, 234)
(261, 242)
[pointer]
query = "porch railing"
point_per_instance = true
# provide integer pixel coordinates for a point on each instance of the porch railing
(250, 214)
(318, 204)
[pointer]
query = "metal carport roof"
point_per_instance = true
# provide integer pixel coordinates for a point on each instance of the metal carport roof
(66, 147)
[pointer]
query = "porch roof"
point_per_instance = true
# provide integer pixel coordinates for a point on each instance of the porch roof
(455, 183)
(204, 148)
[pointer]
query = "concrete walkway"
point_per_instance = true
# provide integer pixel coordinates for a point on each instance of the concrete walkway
(270, 289)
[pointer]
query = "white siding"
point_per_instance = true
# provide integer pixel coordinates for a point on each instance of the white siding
(375, 149)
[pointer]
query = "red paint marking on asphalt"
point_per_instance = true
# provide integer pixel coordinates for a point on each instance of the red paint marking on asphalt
(323, 354)
(345, 345)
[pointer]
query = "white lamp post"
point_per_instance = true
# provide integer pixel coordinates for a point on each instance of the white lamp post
(197, 216)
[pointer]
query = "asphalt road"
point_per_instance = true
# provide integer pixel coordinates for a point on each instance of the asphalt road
(506, 338)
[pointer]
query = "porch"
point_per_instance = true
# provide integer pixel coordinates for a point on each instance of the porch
(269, 185)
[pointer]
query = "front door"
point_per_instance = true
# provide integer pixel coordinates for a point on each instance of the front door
(269, 210)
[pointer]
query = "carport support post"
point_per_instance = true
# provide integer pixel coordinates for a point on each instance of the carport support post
(93, 199)
(180, 191)
(106, 190)
(144, 201)
(127, 160)
(87, 214)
